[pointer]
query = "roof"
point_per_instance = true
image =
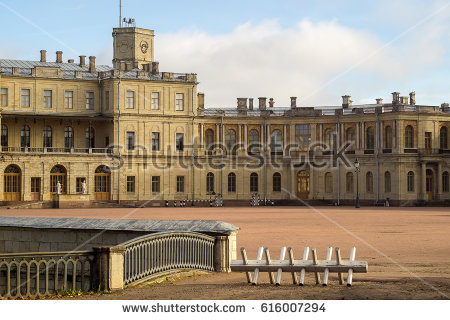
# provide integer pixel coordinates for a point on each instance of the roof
(64, 66)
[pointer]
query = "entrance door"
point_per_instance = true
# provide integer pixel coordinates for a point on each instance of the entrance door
(429, 184)
(303, 184)
(12, 183)
(35, 189)
(102, 189)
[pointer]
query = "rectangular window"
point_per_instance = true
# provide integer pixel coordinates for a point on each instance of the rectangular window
(428, 142)
(155, 141)
(48, 98)
(130, 183)
(4, 97)
(179, 102)
(68, 100)
(180, 141)
(79, 185)
(155, 100)
(130, 140)
(35, 185)
(155, 184)
(25, 97)
(180, 184)
(303, 136)
(90, 100)
(130, 100)
(107, 100)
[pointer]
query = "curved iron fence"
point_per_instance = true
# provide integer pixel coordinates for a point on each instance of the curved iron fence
(29, 275)
(151, 254)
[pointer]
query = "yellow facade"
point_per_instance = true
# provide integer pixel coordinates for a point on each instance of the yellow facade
(137, 114)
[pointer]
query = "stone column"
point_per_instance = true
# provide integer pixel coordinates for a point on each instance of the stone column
(239, 137)
(262, 137)
(108, 268)
(381, 134)
(268, 135)
(321, 133)
(284, 138)
(201, 136)
(423, 179)
(362, 136)
(223, 134)
(357, 136)
(217, 133)
(245, 137)
(439, 181)
(222, 254)
(394, 133)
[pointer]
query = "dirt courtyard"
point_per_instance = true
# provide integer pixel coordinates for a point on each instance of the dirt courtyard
(407, 249)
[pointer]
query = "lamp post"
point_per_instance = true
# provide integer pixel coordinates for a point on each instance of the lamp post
(357, 182)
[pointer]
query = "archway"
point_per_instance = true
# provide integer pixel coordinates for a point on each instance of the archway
(58, 174)
(102, 189)
(303, 184)
(12, 183)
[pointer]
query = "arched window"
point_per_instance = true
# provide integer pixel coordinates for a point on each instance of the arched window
(329, 139)
(47, 137)
(410, 181)
(254, 182)
(409, 140)
(387, 182)
(89, 137)
(328, 182)
(209, 139)
(388, 137)
(58, 174)
(349, 182)
(210, 182)
(443, 138)
(370, 138)
(253, 141)
(445, 186)
(276, 141)
(25, 137)
(231, 141)
(276, 182)
(68, 138)
(231, 182)
(369, 182)
(350, 136)
(4, 135)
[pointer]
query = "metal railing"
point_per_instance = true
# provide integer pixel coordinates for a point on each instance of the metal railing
(39, 150)
(160, 252)
(33, 274)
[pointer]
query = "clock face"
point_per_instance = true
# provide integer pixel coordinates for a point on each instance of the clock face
(144, 46)
(123, 46)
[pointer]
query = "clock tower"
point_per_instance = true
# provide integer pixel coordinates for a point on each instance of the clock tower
(133, 46)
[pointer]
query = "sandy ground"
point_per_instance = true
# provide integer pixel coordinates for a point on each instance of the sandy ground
(408, 250)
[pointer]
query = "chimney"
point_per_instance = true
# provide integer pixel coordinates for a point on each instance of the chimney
(242, 103)
(70, 61)
(82, 61)
(262, 103)
(412, 98)
(155, 67)
(404, 100)
(271, 103)
(346, 102)
(395, 97)
(250, 103)
(59, 56)
(43, 55)
(201, 100)
(444, 107)
(293, 102)
(91, 64)
(379, 101)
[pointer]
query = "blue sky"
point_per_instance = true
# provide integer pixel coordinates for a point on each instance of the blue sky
(316, 50)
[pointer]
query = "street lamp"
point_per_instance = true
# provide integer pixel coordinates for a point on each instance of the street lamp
(357, 182)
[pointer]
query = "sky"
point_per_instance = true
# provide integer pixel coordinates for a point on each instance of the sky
(317, 51)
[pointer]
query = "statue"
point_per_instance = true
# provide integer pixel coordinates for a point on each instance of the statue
(83, 187)
(58, 188)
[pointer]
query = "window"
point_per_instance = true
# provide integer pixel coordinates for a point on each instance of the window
(47, 137)
(79, 185)
(155, 100)
(409, 141)
(210, 182)
(276, 182)
(107, 106)
(68, 100)
(231, 182)
(155, 184)
(155, 141)
(369, 182)
(329, 139)
(231, 141)
(349, 182)
(68, 138)
(89, 137)
(445, 182)
(350, 136)
(130, 183)
(328, 182)
(428, 141)
(303, 136)
(90, 100)
(179, 102)
(370, 138)
(58, 174)
(35, 185)
(130, 100)
(276, 141)
(180, 184)
(387, 182)
(179, 141)
(25, 137)
(443, 138)
(4, 97)
(410, 181)
(253, 141)
(4, 135)
(253, 182)
(48, 99)
(209, 139)
(130, 140)
(388, 137)
(25, 97)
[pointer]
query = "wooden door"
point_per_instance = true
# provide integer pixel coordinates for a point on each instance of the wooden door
(303, 185)
(35, 189)
(102, 186)
(12, 187)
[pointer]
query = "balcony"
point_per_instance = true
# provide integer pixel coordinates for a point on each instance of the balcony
(40, 150)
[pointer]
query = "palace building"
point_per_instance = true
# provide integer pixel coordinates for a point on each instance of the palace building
(132, 134)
